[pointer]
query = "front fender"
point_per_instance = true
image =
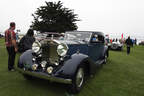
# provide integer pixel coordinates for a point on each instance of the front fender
(70, 66)
(25, 59)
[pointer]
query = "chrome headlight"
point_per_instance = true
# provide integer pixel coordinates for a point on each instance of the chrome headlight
(36, 46)
(49, 69)
(62, 49)
(34, 67)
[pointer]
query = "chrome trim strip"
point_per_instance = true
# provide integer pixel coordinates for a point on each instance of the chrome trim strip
(45, 76)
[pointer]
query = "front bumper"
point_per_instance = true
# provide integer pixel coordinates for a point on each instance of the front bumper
(45, 76)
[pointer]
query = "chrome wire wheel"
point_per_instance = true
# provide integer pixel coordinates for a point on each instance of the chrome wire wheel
(80, 77)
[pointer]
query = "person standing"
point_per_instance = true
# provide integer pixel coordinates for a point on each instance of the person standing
(135, 41)
(11, 46)
(128, 44)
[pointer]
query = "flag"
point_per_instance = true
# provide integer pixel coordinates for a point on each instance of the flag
(122, 36)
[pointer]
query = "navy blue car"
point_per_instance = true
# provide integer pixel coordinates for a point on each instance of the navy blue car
(68, 60)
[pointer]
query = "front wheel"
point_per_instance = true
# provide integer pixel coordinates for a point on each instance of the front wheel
(78, 80)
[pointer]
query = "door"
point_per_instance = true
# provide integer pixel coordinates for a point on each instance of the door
(96, 47)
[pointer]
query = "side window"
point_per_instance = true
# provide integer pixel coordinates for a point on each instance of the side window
(97, 39)
(94, 38)
(101, 39)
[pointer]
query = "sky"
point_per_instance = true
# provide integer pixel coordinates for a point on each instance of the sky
(112, 17)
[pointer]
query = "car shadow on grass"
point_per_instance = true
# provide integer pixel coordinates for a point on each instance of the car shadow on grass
(53, 87)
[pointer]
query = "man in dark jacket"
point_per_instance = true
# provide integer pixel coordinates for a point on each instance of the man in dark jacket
(128, 44)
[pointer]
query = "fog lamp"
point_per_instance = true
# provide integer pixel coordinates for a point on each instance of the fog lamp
(50, 69)
(34, 67)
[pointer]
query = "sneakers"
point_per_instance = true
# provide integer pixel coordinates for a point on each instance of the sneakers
(12, 70)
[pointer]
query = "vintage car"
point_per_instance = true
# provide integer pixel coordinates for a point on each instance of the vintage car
(116, 46)
(67, 61)
(141, 43)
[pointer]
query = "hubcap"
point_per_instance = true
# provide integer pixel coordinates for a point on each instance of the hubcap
(80, 77)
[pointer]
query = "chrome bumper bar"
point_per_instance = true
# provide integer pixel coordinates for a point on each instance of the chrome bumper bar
(45, 76)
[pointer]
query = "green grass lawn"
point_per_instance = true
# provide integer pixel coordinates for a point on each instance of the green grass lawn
(123, 75)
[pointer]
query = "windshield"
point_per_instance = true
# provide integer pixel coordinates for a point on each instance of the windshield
(78, 36)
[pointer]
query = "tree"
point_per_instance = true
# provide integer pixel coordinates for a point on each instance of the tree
(53, 17)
